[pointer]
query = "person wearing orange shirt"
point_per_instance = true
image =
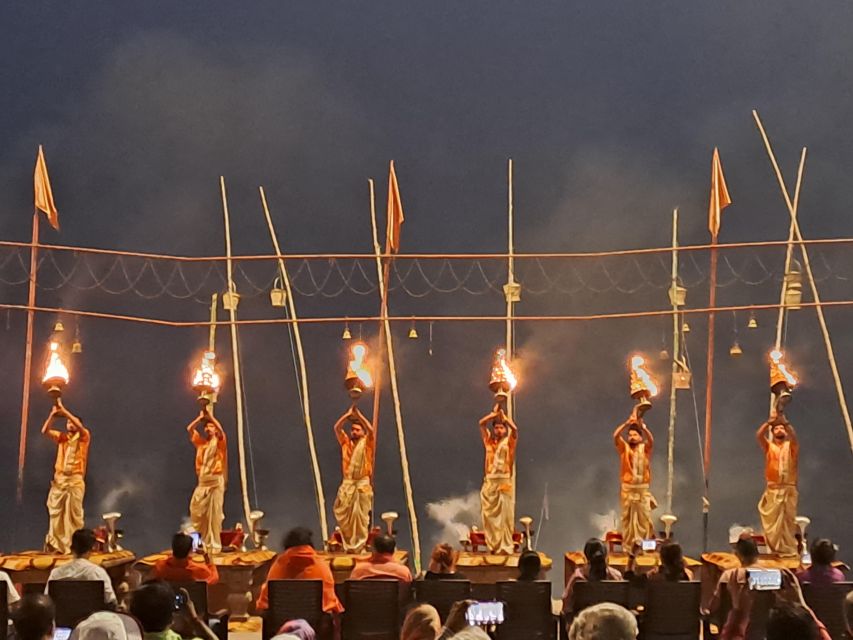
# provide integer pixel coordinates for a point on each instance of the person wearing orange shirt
(180, 567)
(778, 505)
(211, 467)
(381, 563)
(300, 561)
(355, 494)
(635, 453)
(497, 495)
(65, 499)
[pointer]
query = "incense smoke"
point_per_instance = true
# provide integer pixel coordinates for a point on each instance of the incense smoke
(124, 488)
(456, 515)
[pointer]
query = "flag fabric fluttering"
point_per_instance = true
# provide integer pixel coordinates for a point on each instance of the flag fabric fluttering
(43, 192)
(395, 213)
(719, 195)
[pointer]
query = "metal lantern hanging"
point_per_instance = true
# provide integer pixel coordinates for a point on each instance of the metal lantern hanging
(55, 374)
(793, 286)
(278, 295)
(205, 381)
(682, 378)
(512, 292)
(677, 296)
(230, 300)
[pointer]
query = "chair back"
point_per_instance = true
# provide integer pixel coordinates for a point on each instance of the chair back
(4, 611)
(527, 611)
(671, 610)
(291, 599)
(586, 593)
(197, 591)
(827, 602)
(372, 610)
(442, 594)
(75, 600)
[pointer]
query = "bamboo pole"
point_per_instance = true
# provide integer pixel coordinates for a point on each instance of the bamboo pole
(211, 344)
(28, 360)
(392, 370)
(235, 355)
(839, 389)
(781, 318)
(510, 277)
(303, 371)
(676, 347)
(382, 273)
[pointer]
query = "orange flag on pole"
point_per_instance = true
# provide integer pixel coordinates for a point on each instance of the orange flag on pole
(719, 195)
(43, 192)
(395, 213)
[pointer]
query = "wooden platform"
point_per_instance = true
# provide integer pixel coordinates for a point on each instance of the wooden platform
(34, 567)
(240, 572)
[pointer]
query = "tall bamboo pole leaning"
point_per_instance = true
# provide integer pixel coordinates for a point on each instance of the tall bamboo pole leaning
(392, 371)
(28, 359)
(798, 237)
(676, 354)
(211, 342)
(382, 273)
(510, 278)
(782, 316)
(303, 371)
(235, 355)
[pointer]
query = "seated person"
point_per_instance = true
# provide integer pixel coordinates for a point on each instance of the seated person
(442, 564)
(153, 604)
(11, 592)
(529, 566)
(179, 567)
(821, 571)
(595, 570)
(381, 563)
(300, 561)
(33, 617)
(605, 621)
(671, 566)
(81, 568)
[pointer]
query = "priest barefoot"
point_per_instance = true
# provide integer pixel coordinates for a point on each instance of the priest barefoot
(634, 442)
(211, 467)
(355, 495)
(778, 505)
(65, 499)
(497, 497)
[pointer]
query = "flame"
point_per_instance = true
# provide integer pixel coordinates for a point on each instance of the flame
(776, 356)
(502, 372)
(357, 364)
(205, 375)
(638, 367)
(55, 370)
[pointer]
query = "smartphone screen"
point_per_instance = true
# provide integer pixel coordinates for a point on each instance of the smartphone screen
(197, 543)
(650, 545)
(180, 602)
(61, 633)
(764, 579)
(485, 613)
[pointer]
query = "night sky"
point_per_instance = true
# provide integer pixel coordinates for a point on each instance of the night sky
(610, 111)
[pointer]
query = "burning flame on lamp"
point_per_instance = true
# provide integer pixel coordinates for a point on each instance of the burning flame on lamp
(358, 377)
(642, 385)
(55, 374)
(503, 380)
(205, 379)
(782, 380)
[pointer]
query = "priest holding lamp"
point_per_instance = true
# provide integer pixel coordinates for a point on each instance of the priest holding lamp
(778, 441)
(634, 442)
(211, 458)
(65, 499)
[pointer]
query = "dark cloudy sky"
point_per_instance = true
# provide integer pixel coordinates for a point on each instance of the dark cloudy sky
(610, 111)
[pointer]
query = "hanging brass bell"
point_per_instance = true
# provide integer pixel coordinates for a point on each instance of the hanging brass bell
(76, 346)
(664, 354)
(735, 351)
(58, 328)
(753, 323)
(413, 333)
(346, 334)
(685, 328)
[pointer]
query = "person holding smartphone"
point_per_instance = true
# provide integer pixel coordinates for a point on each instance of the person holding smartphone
(211, 466)
(497, 497)
(180, 567)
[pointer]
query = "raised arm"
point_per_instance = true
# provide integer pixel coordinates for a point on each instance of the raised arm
(484, 423)
(792, 434)
(339, 427)
(647, 434)
(761, 435)
(617, 434)
(53, 434)
(513, 428)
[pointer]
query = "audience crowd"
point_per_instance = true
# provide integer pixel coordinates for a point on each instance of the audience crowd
(155, 611)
